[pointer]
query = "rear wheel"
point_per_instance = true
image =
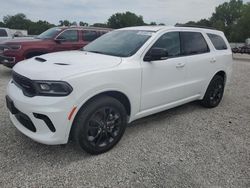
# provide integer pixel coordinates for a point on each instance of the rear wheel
(214, 92)
(100, 125)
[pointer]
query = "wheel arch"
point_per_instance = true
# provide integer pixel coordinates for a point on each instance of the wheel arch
(223, 74)
(120, 96)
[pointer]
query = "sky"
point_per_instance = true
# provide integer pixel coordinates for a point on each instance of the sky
(98, 11)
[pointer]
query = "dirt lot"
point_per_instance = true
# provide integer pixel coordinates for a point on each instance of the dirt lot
(188, 146)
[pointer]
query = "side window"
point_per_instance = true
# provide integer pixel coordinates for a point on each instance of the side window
(3, 33)
(69, 36)
(193, 43)
(170, 42)
(217, 41)
(90, 35)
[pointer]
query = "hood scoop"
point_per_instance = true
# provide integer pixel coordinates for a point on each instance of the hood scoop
(61, 64)
(40, 59)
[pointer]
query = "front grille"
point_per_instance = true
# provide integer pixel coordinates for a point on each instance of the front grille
(25, 84)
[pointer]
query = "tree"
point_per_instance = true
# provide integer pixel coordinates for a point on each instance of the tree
(73, 23)
(228, 12)
(18, 21)
(83, 24)
(153, 23)
(100, 25)
(64, 23)
(230, 17)
(126, 19)
(242, 28)
(226, 16)
(36, 28)
(2, 24)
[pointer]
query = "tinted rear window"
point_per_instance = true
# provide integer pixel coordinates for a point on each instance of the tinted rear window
(193, 43)
(217, 41)
(3, 33)
(90, 35)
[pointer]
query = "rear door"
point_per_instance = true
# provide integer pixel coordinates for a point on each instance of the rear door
(199, 61)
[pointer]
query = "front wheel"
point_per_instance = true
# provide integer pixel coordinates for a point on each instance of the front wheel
(214, 92)
(100, 125)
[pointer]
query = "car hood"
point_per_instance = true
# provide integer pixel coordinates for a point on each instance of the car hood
(21, 40)
(57, 66)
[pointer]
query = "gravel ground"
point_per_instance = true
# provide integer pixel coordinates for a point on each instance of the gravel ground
(188, 146)
(239, 56)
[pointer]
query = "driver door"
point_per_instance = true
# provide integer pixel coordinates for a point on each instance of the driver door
(164, 81)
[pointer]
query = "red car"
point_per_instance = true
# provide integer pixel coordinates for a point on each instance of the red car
(53, 40)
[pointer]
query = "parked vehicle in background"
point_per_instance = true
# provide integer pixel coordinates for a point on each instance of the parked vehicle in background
(5, 34)
(9, 34)
(127, 74)
(244, 49)
(53, 40)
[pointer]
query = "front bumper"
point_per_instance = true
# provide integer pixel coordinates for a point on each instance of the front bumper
(7, 61)
(56, 109)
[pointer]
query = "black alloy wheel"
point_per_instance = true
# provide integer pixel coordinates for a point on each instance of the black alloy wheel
(214, 93)
(100, 125)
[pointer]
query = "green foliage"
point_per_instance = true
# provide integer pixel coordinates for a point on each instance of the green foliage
(242, 28)
(83, 24)
(233, 18)
(2, 24)
(126, 19)
(64, 23)
(153, 23)
(36, 28)
(20, 21)
(228, 12)
(100, 25)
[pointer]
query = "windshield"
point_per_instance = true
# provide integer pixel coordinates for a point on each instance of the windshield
(121, 43)
(50, 33)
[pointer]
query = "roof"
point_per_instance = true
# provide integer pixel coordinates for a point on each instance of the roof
(159, 28)
(147, 28)
(85, 27)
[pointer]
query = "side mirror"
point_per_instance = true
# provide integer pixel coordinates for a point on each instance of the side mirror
(156, 54)
(59, 40)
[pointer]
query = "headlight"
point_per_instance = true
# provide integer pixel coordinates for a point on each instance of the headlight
(12, 47)
(52, 88)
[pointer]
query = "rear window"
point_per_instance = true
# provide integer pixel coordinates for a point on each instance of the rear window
(90, 35)
(193, 43)
(3, 33)
(217, 41)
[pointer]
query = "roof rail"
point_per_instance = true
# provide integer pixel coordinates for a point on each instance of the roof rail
(87, 27)
(196, 26)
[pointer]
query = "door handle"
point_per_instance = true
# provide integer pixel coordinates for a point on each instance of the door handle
(213, 60)
(180, 65)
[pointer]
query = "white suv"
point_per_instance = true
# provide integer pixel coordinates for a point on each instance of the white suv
(90, 95)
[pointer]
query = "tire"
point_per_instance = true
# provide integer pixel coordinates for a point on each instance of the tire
(100, 125)
(214, 92)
